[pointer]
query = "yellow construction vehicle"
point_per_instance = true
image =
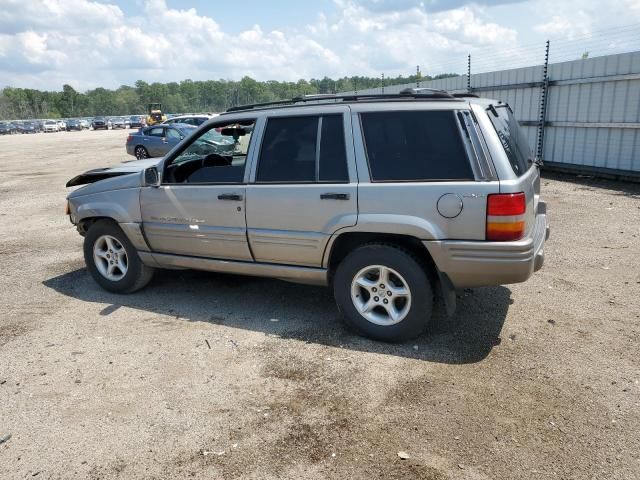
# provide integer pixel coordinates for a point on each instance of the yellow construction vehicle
(155, 114)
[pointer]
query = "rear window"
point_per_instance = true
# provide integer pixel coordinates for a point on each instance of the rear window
(513, 139)
(415, 146)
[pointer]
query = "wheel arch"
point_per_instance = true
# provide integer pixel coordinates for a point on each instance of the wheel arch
(342, 244)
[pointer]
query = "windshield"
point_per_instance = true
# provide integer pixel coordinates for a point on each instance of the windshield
(513, 139)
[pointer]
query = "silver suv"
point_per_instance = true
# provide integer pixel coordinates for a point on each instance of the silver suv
(391, 200)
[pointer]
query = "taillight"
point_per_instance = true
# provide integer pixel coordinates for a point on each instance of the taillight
(505, 216)
(129, 138)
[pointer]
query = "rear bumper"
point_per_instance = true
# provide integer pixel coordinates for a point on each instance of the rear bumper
(480, 264)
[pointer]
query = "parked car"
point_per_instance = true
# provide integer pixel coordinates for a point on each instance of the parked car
(74, 124)
(391, 200)
(137, 121)
(118, 122)
(29, 127)
(101, 123)
(50, 126)
(7, 128)
(196, 120)
(157, 140)
(62, 125)
(19, 127)
(84, 123)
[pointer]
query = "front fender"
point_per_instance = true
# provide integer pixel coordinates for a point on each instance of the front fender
(123, 206)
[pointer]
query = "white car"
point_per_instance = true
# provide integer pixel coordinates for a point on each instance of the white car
(62, 125)
(195, 120)
(51, 126)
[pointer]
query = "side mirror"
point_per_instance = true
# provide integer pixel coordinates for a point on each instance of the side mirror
(151, 177)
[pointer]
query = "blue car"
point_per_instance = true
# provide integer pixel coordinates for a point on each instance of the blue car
(156, 141)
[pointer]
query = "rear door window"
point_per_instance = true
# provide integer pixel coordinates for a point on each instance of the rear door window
(333, 152)
(513, 139)
(304, 149)
(155, 132)
(415, 146)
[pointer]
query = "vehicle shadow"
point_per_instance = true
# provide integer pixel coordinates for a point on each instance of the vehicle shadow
(300, 312)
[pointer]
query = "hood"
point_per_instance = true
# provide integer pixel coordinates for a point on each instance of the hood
(125, 168)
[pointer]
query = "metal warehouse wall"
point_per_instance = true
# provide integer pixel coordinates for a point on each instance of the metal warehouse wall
(592, 111)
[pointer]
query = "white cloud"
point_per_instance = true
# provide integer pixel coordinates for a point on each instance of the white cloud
(45, 43)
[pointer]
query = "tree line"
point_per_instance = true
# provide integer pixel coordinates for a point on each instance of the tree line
(176, 97)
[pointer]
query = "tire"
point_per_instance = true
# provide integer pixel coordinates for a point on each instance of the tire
(141, 152)
(412, 305)
(136, 274)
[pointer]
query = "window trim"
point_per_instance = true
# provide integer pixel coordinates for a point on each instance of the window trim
(443, 180)
(318, 152)
(201, 131)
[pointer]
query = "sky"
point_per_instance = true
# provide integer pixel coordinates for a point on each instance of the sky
(89, 43)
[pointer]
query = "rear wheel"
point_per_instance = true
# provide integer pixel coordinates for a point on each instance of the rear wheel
(383, 292)
(112, 260)
(141, 152)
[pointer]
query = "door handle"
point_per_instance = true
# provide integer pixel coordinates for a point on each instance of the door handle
(230, 196)
(334, 196)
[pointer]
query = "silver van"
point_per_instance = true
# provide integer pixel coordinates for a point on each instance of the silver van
(390, 200)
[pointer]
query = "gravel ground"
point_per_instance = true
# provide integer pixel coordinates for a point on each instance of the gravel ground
(213, 376)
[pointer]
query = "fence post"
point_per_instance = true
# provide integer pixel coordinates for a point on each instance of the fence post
(469, 73)
(544, 93)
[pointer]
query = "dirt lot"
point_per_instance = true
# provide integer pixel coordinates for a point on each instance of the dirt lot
(213, 376)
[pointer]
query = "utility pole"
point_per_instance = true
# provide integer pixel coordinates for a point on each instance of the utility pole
(418, 76)
(382, 82)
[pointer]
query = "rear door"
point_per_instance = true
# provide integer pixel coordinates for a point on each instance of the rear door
(154, 141)
(303, 188)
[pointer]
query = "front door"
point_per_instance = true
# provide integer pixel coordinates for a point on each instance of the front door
(305, 187)
(199, 208)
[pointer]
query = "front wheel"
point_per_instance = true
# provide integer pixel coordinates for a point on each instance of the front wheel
(112, 260)
(384, 292)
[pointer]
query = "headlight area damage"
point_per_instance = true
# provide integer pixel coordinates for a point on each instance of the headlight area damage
(95, 175)
(98, 174)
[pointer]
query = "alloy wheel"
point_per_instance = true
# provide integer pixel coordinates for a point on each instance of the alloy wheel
(381, 295)
(110, 258)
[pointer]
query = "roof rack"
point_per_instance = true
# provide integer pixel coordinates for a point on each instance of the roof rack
(465, 95)
(407, 93)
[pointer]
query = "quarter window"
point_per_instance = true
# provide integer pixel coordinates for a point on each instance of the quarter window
(415, 146)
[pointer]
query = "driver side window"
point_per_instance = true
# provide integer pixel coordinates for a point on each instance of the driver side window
(217, 155)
